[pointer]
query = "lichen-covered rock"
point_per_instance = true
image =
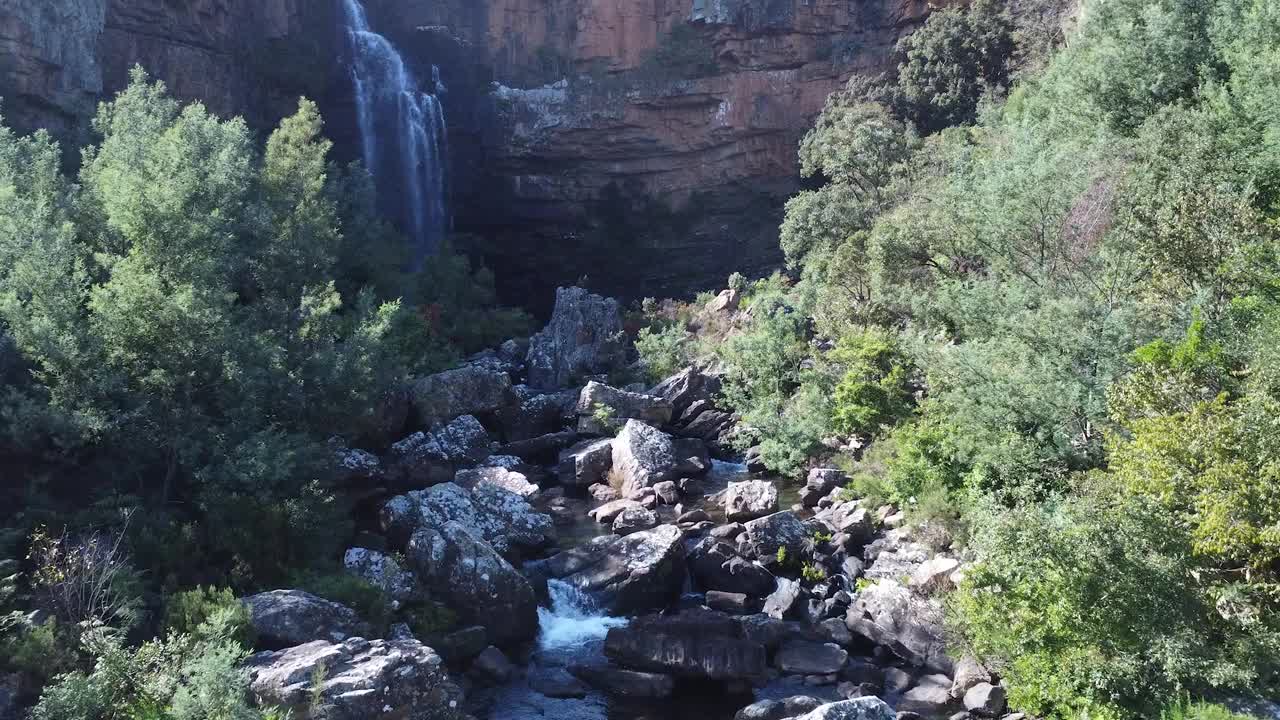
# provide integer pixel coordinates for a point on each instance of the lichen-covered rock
(634, 519)
(281, 618)
(381, 571)
(863, 708)
(584, 337)
(356, 466)
(763, 537)
(601, 409)
(911, 627)
(509, 480)
(750, 500)
(586, 463)
(641, 571)
(643, 456)
(462, 570)
(536, 414)
(429, 458)
(502, 518)
(685, 388)
(362, 679)
(778, 709)
(716, 565)
(469, 390)
(851, 519)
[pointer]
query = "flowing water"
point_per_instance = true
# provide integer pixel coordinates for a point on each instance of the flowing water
(403, 140)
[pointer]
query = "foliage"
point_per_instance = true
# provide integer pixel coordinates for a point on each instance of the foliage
(369, 601)
(664, 349)
(85, 579)
(873, 389)
(813, 573)
(41, 651)
(185, 612)
(958, 56)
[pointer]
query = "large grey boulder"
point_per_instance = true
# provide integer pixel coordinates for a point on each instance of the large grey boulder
(785, 600)
(863, 708)
(931, 696)
(503, 519)
(584, 337)
(641, 571)
(762, 537)
(463, 571)
(536, 414)
(801, 657)
(281, 618)
(634, 519)
(716, 565)
(381, 571)
(602, 409)
(362, 679)
(469, 390)
(429, 458)
(778, 709)
(851, 519)
(514, 482)
(685, 388)
(586, 463)
(750, 500)
(910, 626)
(820, 483)
(700, 644)
(643, 456)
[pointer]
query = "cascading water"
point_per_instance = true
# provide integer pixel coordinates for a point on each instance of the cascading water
(572, 621)
(403, 139)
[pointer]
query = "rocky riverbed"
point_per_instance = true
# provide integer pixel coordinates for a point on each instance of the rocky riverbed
(606, 557)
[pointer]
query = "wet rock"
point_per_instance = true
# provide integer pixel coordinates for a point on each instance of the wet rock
(799, 657)
(584, 337)
(785, 601)
(281, 618)
(626, 683)
(750, 500)
(764, 536)
(602, 409)
(695, 644)
(586, 463)
(509, 480)
(610, 511)
(716, 565)
(491, 667)
(362, 679)
(558, 684)
(733, 603)
(985, 699)
(778, 709)
(634, 519)
(863, 708)
(468, 390)
(626, 574)
(462, 570)
(381, 571)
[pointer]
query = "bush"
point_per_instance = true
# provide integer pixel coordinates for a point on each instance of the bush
(663, 351)
(40, 651)
(189, 612)
(873, 390)
(369, 601)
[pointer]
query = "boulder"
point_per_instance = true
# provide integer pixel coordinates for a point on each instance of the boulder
(930, 697)
(750, 500)
(626, 683)
(462, 570)
(557, 683)
(698, 644)
(536, 414)
(356, 467)
(834, 630)
(785, 600)
(584, 337)
(934, 575)
(733, 603)
(726, 301)
(462, 646)
(711, 426)
(801, 657)
(634, 519)
(429, 458)
(888, 614)
(768, 631)
(778, 709)
(610, 511)
(763, 537)
(598, 400)
(492, 667)
(542, 448)
(863, 708)
(969, 672)
(692, 457)
(638, 572)
(985, 699)
(281, 618)
(468, 390)
(685, 388)
(752, 459)
(503, 519)
(586, 463)
(820, 483)
(381, 571)
(362, 679)
(717, 566)
(851, 519)
(643, 456)
(603, 493)
(668, 493)
(509, 480)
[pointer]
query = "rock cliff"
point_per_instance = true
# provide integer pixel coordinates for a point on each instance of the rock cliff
(647, 145)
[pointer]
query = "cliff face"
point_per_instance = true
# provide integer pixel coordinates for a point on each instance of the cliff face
(645, 144)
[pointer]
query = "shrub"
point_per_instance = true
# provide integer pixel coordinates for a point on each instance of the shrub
(369, 601)
(664, 351)
(872, 391)
(40, 651)
(188, 612)
(85, 578)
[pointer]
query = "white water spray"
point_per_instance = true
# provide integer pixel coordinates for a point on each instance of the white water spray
(403, 139)
(573, 620)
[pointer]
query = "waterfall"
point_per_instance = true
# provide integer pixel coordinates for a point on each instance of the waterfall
(403, 140)
(573, 620)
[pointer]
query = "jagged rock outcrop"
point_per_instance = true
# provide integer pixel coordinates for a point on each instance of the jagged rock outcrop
(582, 338)
(473, 389)
(381, 571)
(362, 679)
